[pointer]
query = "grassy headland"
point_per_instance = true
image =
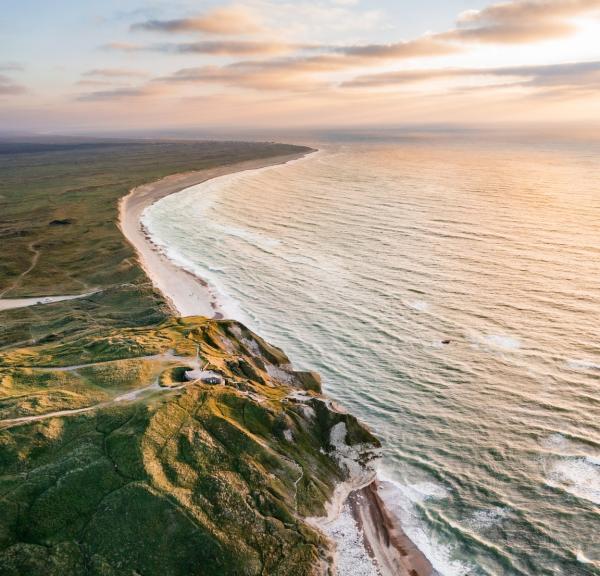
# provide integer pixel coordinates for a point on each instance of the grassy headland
(182, 480)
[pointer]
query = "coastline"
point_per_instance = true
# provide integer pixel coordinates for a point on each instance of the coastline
(185, 293)
(385, 540)
(189, 295)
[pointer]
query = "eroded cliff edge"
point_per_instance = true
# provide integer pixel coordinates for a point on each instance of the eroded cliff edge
(141, 472)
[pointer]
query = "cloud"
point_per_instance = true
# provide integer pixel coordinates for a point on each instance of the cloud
(90, 82)
(148, 90)
(114, 73)
(520, 21)
(122, 46)
(298, 72)
(229, 48)
(421, 47)
(253, 75)
(571, 75)
(407, 77)
(11, 67)
(9, 88)
(227, 21)
(305, 67)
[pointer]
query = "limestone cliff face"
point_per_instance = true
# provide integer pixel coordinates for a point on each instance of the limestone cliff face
(175, 478)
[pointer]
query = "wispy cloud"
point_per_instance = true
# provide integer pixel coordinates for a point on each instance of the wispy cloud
(265, 60)
(123, 93)
(299, 72)
(578, 74)
(115, 73)
(230, 48)
(520, 21)
(11, 67)
(123, 46)
(8, 87)
(227, 21)
(271, 75)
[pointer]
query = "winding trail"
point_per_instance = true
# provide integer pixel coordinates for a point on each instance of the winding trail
(127, 397)
(17, 281)
(12, 303)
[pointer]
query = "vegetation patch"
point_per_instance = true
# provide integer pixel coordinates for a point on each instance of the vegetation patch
(199, 480)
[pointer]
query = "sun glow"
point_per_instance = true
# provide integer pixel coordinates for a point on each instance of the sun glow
(299, 63)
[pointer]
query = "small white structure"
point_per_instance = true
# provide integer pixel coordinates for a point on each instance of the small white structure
(206, 376)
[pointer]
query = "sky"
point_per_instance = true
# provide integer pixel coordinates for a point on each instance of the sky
(69, 65)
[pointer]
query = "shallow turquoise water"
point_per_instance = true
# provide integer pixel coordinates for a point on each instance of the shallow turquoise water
(361, 260)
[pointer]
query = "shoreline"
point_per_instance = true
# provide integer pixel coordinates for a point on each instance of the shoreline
(186, 293)
(189, 295)
(385, 540)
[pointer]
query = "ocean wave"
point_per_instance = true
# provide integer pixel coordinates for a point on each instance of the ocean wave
(495, 341)
(582, 364)
(259, 240)
(584, 559)
(402, 500)
(578, 476)
(485, 519)
(227, 304)
(360, 290)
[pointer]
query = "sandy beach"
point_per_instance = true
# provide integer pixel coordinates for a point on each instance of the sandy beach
(385, 541)
(187, 294)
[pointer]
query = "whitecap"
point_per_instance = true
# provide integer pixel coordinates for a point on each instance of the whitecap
(500, 342)
(484, 519)
(578, 476)
(418, 305)
(503, 341)
(582, 364)
(555, 441)
(595, 460)
(401, 499)
(581, 557)
(254, 238)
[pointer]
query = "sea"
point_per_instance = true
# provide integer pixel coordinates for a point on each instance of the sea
(447, 288)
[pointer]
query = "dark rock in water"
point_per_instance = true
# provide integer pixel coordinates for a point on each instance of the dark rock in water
(61, 222)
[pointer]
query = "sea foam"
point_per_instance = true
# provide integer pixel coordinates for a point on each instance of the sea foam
(402, 500)
(578, 476)
(351, 556)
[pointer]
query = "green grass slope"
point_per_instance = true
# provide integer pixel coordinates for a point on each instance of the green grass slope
(197, 480)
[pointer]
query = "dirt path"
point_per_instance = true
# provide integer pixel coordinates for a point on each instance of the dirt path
(19, 278)
(12, 303)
